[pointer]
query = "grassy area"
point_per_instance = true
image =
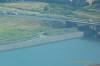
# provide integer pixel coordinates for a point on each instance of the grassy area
(89, 12)
(24, 7)
(39, 8)
(18, 28)
(53, 9)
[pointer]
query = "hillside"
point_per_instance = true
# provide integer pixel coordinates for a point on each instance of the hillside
(89, 11)
(38, 8)
(79, 8)
(23, 27)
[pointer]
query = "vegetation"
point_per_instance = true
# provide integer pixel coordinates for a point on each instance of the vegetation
(39, 8)
(54, 9)
(19, 28)
(14, 28)
(89, 12)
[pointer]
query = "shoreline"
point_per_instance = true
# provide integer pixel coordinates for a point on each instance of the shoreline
(40, 41)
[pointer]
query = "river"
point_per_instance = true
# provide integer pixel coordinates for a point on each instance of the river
(55, 54)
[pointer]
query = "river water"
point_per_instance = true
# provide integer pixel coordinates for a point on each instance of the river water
(63, 53)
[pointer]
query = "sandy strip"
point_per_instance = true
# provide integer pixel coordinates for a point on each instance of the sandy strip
(40, 41)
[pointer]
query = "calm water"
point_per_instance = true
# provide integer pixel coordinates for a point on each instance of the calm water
(55, 54)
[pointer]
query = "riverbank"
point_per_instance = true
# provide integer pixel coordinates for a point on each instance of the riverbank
(40, 41)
